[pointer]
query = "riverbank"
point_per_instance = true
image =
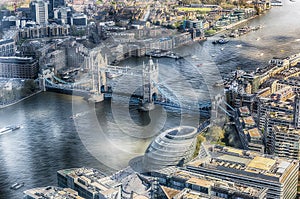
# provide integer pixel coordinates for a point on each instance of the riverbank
(230, 26)
(15, 102)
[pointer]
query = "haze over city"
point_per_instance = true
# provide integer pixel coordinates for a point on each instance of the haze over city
(149, 99)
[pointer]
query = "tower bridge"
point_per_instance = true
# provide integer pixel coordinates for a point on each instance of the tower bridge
(152, 93)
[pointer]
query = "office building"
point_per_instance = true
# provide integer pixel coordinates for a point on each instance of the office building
(39, 11)
(7, 47)
(194, 24)
(18, 67)
(62, 14)
(9, 22)
(53, 4)
(85, 182)
(176, 182)
(92, 184)
(50, 30)
(79, 19)
(278, 175)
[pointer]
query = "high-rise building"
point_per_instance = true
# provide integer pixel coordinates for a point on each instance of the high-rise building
(251, 138)
(278, 175)
(62, 14)
(286, 142)
(39, 11)
(79, 19)
(55, 4)
(272, 113)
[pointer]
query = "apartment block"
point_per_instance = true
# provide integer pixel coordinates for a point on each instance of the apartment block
(250, 136)
(177, 182)
(278, 175)
(286, 142)
(19, 67)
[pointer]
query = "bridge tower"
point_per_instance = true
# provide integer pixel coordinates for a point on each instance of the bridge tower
(216, 105)
(150, 78)
(46, 74)
(98, 76)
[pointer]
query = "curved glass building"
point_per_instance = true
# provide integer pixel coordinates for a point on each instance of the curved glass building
(172, 147)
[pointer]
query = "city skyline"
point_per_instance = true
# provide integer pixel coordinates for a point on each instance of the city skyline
(136, 99)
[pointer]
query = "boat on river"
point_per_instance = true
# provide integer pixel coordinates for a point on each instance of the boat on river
(113, 75)
(9, 129)
(221, 41)
(158, 53)
(17, 185)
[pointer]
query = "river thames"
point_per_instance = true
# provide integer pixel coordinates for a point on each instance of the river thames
(108, 135)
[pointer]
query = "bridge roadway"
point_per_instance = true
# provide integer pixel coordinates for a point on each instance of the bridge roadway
(174, 107)
(204, 108)
(165, 99)
(168, 100)
(203, 126)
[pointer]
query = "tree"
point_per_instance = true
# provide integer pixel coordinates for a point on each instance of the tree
(200, 139)
(29, 88)
(215, 134)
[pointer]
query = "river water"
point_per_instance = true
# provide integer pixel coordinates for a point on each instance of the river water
(109, 134)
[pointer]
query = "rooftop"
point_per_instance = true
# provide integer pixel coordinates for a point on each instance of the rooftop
(261, 163)
(169, 192)
(52, 192)
(203, 181)
(242, 162)
(17, 60)
(200, 182)
(249, 121)
(95, 181)
(244, 110)
(254, 132)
